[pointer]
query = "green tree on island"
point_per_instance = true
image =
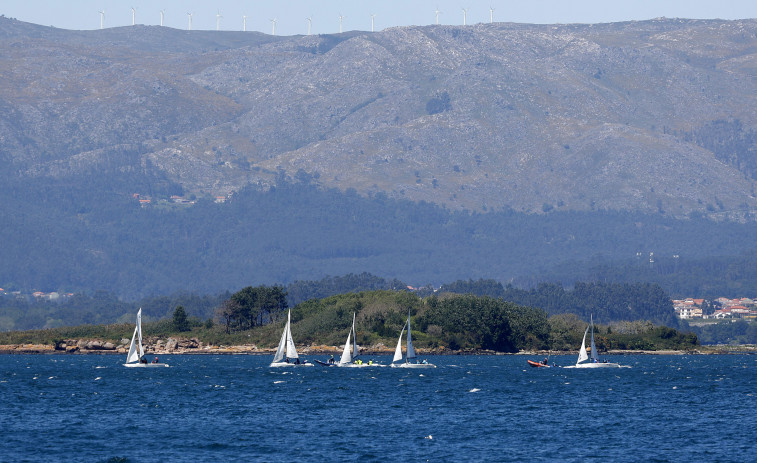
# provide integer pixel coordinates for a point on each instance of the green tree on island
(180, 321)
(250, 307)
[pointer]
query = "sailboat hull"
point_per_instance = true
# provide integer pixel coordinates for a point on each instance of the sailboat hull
(413, 365)
(285, 364)
(361, 365)
(146, 365)
(595, 365)
(538, 364)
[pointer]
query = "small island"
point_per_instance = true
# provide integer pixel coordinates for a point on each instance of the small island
(250, 321)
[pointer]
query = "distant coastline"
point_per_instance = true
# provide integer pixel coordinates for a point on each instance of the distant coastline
(94, 347)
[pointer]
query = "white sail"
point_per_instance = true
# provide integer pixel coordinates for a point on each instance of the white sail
(594, 357)
(139, 332)
(398, 351)
(133, 354)
(291, 350)
(582, 355)
(346, 355)
(136, 352)
(355, 349)
(279, 356)
(135, 348)
(410, 350)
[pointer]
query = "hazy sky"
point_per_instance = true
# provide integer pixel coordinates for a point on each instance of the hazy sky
(290, 14)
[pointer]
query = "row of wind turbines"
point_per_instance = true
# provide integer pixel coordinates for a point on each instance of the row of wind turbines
(309, 20)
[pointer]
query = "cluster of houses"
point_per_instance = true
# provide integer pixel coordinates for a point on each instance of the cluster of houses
(719, 308)
(53, 296)
(145, 201)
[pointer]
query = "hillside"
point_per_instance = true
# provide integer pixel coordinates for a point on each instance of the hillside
(521, 153)
(655, 116)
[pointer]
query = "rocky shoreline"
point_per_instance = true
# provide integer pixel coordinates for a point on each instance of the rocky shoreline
(180, 346)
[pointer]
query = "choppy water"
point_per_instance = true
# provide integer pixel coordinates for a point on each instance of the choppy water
(491, 408)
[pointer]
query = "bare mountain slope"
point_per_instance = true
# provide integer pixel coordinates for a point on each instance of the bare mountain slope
(530, 117)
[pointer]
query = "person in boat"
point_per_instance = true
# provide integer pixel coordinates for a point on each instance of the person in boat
(142, 359)
(370, 362)
(155, 360)
(545, 362)
(297, 361)
(425, 362)
(331, 360)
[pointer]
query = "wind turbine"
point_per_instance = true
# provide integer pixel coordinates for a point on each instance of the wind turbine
(102, 18)
(190, 21)
(491, 14)
(273, 27)
(309, 19)
(340, 23)
(465, 14)
(218, 20)
(244, 23)
(133, 15)
(162, 12)
(437, 15)
(373, 16)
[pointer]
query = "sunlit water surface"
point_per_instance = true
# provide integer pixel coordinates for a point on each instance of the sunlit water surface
(471, 408)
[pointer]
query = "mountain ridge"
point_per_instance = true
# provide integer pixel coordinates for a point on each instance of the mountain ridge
(534, 118)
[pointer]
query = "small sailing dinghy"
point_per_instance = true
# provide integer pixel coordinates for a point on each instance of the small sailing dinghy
(136, 355)
(286, 353)
(351, 352)
(583, 355)
(397, 361)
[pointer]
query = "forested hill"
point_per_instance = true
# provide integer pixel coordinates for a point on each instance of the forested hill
(59, 237)
(604, 302)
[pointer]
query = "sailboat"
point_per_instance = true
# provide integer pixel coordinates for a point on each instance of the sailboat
(583, 356)
(351, 351)
(396, 362)
(136, 352)
(286, 350)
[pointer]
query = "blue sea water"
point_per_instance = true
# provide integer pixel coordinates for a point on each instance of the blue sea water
(471, 408)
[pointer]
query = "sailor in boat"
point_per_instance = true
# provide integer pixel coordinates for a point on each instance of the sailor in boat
(155, 360)
(331, 360)
(545, 361)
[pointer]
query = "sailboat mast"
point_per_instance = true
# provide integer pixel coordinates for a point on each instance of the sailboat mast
(594, 357)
